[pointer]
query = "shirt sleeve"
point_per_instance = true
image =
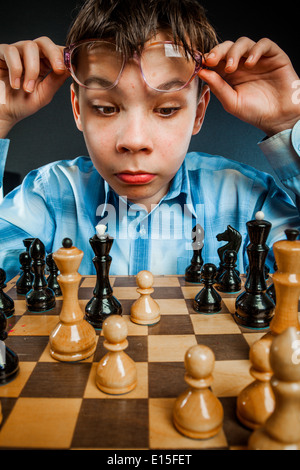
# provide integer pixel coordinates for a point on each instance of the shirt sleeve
(24, 213)
(283, 153)
(4, 145)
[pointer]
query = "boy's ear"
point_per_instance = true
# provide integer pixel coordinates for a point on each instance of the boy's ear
(76, 108)
(201, 109)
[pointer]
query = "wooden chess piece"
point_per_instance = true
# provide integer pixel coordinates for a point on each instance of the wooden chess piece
(73, 338)
(197, 412)
(116, 372)
(291, 235)
(229, 281)
(287, 285)
(40, 298)
(254, 308)
(9, 361)
(256, 402)
(103, 303)
(234, 240)
(53, 273)
(7, 305)
(193, 271)
(145, 310)
(24, 283)
(208, 301)
(281, 431)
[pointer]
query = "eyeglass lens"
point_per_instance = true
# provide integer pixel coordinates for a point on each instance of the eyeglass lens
(165, 67)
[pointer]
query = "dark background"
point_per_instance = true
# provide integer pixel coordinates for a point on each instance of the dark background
(51, 134)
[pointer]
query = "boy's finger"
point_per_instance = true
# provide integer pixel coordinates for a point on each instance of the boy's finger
(53, 53)
(31, 60)
(50, 85)
(217, 53)
(10, 60)
(238, 50)
(229, 52)
(221, 89)
(264, 47)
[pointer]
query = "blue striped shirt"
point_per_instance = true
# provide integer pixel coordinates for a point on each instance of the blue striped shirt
(69, 198)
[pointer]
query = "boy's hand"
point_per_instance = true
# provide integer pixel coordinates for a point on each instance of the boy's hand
(31, 72)
(253, 81)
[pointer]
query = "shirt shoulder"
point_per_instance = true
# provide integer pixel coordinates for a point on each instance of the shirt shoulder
(68, 176)
(223, 182)
(203, 162)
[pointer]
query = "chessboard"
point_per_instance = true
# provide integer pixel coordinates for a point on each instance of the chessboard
(57, 405)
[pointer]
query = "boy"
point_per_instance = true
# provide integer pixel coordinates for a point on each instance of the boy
(142, 74)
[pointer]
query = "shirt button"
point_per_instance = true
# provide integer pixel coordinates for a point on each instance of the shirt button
(143, 231)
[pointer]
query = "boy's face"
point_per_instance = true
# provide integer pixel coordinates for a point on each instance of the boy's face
(137, 138)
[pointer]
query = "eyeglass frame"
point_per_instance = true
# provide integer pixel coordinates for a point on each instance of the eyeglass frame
(197, 57)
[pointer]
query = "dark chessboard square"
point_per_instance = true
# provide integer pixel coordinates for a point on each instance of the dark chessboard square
(28, 348)
(126, 281)
(166, 379)
(172, 325)
(167, 293)
(7, 405)
(85, 293)
(226, 347)
(137, 348)
(237, 435)
(12, 293)
(11, 322)
(126, 305)
(116, 423)
(57, 380)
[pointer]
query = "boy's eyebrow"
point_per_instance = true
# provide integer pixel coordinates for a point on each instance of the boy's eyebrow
(102, 82)
(169, 85)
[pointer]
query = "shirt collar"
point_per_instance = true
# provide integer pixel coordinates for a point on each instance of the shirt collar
(179, 188)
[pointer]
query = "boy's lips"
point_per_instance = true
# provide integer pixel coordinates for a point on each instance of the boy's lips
(139, 177)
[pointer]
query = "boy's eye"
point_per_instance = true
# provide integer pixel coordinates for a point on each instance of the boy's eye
(106, 110)
(167, 111)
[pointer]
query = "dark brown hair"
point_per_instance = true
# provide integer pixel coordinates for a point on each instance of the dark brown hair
(130, 23)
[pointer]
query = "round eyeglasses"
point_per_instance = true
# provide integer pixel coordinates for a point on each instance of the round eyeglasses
(98, 65)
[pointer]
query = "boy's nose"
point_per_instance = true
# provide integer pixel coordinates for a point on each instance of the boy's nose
(134, 135)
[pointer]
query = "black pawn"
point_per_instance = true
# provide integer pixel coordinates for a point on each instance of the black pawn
(230, 281)
(24, 283)
(40, 298)
(291, 234)
(208, 300)
(103, 303)
(27, 243)
(254, 307)
(193, 272)
(7, 305)
(9, 361)
(53, 273)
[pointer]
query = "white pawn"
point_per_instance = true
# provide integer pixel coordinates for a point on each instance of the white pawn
(281, 431)
(256, 402)
(145, 311)
(116, 372)
(197, 412)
